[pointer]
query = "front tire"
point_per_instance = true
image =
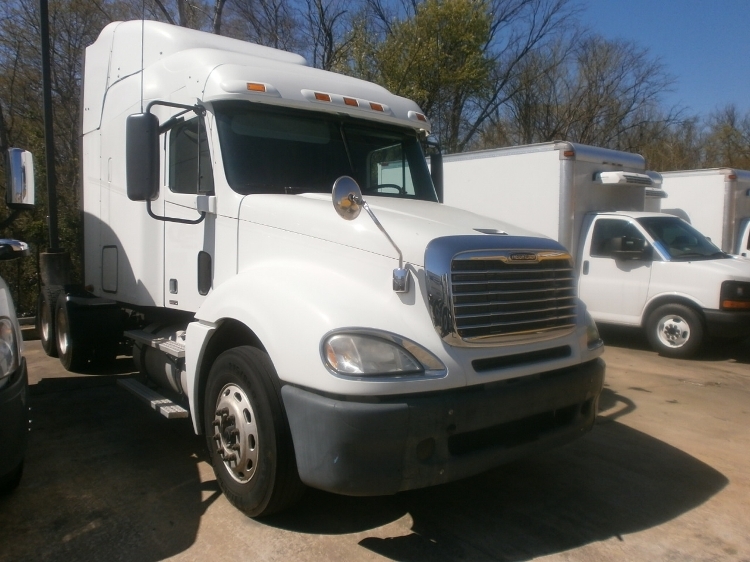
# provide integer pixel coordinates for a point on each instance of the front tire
(675, 330)
(73, 353)
(248, 435)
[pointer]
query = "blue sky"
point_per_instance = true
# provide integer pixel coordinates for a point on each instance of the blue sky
(704, 44)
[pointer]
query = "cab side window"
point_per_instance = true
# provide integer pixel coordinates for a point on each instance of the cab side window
(190, 168)
(612, 235)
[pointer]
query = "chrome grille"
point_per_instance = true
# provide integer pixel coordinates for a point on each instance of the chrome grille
(497, 297)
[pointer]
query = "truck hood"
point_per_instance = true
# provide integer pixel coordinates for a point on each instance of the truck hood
(411, 224)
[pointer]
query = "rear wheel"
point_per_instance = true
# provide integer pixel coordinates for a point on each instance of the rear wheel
(248, 434)
(675, 330)
(45, 326)
(73, 353)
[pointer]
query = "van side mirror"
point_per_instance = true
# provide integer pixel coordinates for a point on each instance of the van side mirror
(19, 173)
(142, 156)
(11, 249)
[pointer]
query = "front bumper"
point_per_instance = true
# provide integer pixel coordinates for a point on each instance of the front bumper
(407, 442)
(14, 420)
(727, 323)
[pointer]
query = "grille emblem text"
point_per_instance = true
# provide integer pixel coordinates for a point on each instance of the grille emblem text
(523, 257)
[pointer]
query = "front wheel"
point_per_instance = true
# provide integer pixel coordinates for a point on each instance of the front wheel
(675, 330)
(248, 435)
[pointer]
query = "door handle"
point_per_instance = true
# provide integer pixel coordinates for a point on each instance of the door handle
(585, 269)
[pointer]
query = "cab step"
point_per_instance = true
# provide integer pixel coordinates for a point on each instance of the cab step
(170, 347)
(161, 404)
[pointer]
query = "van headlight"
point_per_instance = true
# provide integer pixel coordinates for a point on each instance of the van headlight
(359, 353)
(8, 349)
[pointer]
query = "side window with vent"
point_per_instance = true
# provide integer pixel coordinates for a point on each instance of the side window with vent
(190, 168)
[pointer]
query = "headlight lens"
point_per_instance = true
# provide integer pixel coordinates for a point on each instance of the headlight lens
(353, 354)
(593, 339)
(8, 348)
(735, 295)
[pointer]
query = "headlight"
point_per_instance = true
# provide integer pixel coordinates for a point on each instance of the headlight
(593, 339)
(377, 355)
(8, 348)
(735, 295)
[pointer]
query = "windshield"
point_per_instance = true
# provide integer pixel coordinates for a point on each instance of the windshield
(678, 240)
(276, 150)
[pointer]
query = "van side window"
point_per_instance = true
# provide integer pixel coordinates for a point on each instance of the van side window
(611, 235)
(190, 168)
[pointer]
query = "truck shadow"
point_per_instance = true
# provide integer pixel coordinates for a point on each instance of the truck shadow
(614, 481)
(104, 478)
(712, 350)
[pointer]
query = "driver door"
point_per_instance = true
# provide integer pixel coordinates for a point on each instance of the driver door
(613, 287)
(188, 248)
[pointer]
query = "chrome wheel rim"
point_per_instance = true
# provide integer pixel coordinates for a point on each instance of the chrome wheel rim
(236, 433)
(673, 331)
(62, 334)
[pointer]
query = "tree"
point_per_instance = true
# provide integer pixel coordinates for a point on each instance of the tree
(587, 89)
(728, 139)
(456, 58)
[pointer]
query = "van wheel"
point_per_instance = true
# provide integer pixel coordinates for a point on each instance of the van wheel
(248, 435)
(45, 327)
(73, 354)
(675, 330)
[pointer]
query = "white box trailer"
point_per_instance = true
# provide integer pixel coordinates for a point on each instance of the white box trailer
(635, 268)
(716, 201)
(547, 187)
(359, 353)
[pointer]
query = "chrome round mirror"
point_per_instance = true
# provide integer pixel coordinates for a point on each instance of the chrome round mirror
(347, 198)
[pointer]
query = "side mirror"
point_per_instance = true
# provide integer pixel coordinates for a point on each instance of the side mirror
(19, 172)
(12, 249)
(347, 198)
(142, 156)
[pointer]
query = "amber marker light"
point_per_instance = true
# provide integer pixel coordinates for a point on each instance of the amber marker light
(569, 153)
(376, 107)
(255, 87)
(351, 101)
(736, 305)
(322, 97)
(421, 117)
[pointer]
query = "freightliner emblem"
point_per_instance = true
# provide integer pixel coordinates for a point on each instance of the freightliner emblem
(523, 257)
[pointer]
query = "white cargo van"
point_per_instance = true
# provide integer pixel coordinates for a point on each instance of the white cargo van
(635, 268)
(716, 201)
(320, 317)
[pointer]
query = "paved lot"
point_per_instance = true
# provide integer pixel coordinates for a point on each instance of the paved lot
(665, 475)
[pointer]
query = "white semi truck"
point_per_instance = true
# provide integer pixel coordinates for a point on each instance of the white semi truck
(635, 268)
(362, 353)
(716, 201)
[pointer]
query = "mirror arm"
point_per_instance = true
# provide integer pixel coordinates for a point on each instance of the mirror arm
(366, 207)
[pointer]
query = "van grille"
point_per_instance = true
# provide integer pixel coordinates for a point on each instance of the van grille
(500, 297)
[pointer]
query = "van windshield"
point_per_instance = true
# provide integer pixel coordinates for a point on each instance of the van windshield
(680, 241)
(277, 150)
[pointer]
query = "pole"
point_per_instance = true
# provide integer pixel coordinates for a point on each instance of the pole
(54, 241)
